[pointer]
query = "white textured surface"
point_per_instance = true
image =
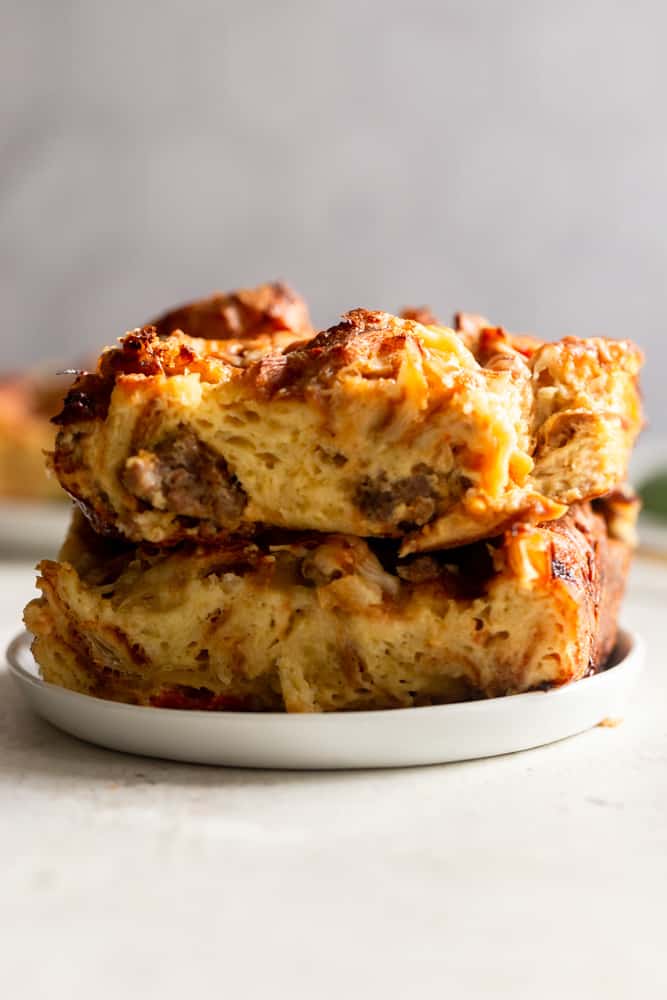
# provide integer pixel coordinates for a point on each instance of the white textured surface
(541, 874)
(506, 158)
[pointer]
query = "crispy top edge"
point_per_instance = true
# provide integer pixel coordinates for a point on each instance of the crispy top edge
(478, 333)
(369, 339)
(141, 352)
(243, 314)
(360, 336)
(487, 340)
(176, 343)
(373, 342)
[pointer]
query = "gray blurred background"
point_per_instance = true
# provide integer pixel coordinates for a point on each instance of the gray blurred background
(506, 158)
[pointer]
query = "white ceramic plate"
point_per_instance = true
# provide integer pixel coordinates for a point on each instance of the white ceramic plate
(398, 738)
(35, 528)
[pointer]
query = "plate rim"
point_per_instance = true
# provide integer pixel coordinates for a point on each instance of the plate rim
(633, 659)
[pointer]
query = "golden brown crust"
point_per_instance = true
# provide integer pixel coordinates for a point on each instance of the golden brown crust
(142, 352)
(199, 338)
(614, 567)
(307, 622)
(242, 324)
(585, 552)
(379, 426)
(475, 330)
(371, 343)
(478, 333)
(420, 314)
(245, 313)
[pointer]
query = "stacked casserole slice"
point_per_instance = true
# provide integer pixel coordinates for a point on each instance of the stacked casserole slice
(389, 513)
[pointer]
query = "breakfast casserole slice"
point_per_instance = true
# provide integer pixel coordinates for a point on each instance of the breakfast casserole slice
(308, 623)
(381, 426)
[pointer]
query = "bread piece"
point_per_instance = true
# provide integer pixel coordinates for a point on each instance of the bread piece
(323, 623)
(379, 427)
(242, 326)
